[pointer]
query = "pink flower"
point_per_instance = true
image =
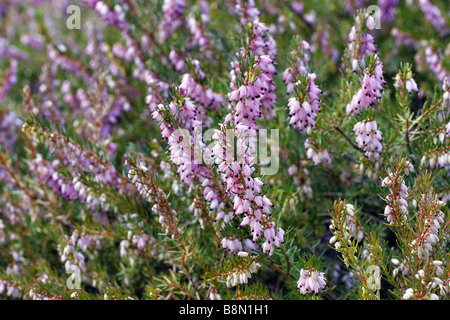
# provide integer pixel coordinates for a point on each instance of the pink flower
(249, 95)
(299, 65)
(360, 43)
(243, 187)
(192, 85)
(397, 206)
(316, 153)
(311, 281)
(368, 138)
(257, 80)
(303, 109)
(370, 90)
(247, 9)
(177, 61)
(434, 60)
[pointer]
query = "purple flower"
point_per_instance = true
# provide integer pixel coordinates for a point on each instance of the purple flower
(11, 52)
(9, 79)
(247, 9)
(34, 41)
(434, 16)
(172, 19)
(177, 61)
(403, 38)
(181, 143)
(192, 86)
(114, 16)
(200, 36)
(371, 88)
(405, 82)
(434, 60)
(387, 8)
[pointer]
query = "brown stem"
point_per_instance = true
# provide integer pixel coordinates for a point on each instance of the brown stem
(338, 129)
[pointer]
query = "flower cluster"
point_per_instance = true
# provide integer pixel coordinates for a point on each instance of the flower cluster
(8, 51)
(396, 211)
(9, 80)
(255, 84)
(368, 138)
(177, 61)
(247, 9)
(242, 276)
(352, 224)
(253, 70)
(434, 217)
(200, 36)
(388, 9)
(434, 15)
(113, 16)
(361, 44)
(141, 177)
(172, 19)
(305, 105)
(243, 188)
(134, 242)
(193, 87)
(300, 176)
(142, 170)
(404, 39)
(316, 153)
(81, 160)
(405, 81)
(298, 66)
(344, 226)
(311, 281)
(371, 88)
(181, 143)
(9, 122)
(48, 174)
(303, 109)
(261, 44)
(74, 261)
(434, 61)
(10, 289)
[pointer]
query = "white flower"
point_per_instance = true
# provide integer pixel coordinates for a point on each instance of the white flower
(371, 23)
(242, 254)
(408, 294)
(242, 276)
(434, 296)
(437, 263)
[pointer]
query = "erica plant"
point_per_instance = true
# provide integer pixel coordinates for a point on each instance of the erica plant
(229, 150)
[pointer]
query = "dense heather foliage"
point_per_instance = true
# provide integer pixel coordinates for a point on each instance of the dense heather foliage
(235, 149)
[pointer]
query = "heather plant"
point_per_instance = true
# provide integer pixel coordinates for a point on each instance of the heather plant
(235, 149)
